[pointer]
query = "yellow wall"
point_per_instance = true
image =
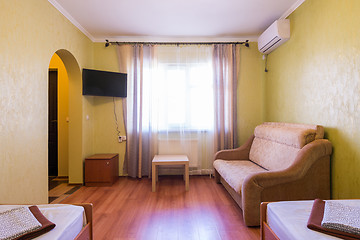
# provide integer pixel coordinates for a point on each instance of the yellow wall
(105, 134)
(63, 114)
(31, 32)
(315, 78)
(250, 92)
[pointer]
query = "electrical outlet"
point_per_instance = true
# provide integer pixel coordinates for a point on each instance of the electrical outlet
(123, 138)
(120, 139)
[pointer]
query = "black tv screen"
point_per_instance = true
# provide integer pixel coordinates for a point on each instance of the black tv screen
(104, 83)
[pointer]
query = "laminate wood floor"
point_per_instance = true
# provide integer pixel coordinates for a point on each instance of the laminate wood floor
(59, 189)
(129, 210)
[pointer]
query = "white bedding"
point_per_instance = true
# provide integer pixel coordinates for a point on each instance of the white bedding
(69, 220)
(288, 219)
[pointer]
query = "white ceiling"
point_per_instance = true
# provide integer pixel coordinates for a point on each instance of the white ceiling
(174, 20)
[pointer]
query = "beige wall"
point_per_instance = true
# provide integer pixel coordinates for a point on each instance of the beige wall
(31, 32)
(315, 78)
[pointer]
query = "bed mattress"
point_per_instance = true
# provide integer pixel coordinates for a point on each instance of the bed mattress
(69, 220)
(288, 219)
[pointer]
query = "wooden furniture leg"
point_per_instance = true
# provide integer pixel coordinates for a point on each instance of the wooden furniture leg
(154, 177)
(187, 176)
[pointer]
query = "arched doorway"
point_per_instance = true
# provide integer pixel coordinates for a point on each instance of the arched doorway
(58, 112)
(74, 166)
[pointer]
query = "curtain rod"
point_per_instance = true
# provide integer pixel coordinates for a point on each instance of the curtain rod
(107, 43)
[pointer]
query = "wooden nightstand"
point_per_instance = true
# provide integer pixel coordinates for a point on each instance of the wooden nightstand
(101, 170)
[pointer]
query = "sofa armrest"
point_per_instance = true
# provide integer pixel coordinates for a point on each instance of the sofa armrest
(305, 160)
(306, 178)
(240, 153)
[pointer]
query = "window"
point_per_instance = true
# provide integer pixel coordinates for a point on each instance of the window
(185, 96)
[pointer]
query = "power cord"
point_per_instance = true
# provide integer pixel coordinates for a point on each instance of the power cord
(266, 70)
(116, 122)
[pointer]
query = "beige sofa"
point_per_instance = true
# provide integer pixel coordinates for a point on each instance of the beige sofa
(281, 161)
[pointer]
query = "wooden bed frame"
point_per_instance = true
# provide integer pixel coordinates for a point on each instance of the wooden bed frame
(87, 231)
(265, 231)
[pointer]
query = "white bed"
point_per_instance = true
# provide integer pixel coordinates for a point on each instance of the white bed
(70, 220)
(288, 220)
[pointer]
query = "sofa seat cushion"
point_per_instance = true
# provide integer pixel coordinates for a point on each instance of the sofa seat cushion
(235, 172)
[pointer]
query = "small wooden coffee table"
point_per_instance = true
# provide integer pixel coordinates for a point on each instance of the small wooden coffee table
(169, 160)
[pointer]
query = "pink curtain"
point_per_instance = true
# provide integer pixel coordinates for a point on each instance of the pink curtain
(138, 149)
(225, 60)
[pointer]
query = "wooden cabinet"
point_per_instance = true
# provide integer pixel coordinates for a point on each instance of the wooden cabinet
(101, 170)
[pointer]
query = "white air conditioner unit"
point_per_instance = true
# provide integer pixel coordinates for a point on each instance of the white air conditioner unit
(274, 36)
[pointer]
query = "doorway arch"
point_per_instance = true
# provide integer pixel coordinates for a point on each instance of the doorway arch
(75, 164)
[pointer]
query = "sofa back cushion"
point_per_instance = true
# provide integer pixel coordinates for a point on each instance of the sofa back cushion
(276, 145)
(319, 130)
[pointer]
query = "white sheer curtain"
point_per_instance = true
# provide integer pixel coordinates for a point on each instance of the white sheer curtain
(182, 109)
(172, 106)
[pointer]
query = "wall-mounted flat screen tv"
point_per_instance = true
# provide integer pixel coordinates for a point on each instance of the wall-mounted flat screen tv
(104, 83)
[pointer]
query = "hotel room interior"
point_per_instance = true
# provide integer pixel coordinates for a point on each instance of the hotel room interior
(312, 78)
